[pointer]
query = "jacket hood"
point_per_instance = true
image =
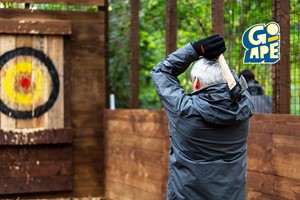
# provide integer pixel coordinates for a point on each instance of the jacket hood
(215, 105)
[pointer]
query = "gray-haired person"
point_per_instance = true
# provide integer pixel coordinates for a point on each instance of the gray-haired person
(208, 131)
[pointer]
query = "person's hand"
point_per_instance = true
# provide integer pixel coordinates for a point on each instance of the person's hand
(210, 47)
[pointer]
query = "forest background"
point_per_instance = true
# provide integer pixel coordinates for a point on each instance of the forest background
(194, 23)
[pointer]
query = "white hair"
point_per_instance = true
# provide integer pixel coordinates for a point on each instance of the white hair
(209, 72)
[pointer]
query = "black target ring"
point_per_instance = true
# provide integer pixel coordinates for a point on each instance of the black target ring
(38, 111)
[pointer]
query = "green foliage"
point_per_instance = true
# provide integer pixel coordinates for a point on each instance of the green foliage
(119, 63)
(193, 24)
(152, 48)
(50, 7)
(12, 5)
(294, 56)
(63, 7)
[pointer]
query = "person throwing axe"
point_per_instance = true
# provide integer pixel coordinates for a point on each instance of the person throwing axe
(208, 127)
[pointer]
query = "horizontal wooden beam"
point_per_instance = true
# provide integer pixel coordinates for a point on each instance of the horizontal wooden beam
(33, 26)
(36, 136)
(67, 2)
(35, 169)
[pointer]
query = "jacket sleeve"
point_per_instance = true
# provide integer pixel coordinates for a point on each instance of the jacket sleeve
(167, 85)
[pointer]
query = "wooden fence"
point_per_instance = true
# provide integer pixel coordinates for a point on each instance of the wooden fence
(136, 156)
(73, 156)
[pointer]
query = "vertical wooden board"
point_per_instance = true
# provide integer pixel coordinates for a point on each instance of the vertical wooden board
(253, 195)
(287, 156)
(260, 152)
(40, 43)
(119, 191)
(7, 43)
(56, 54)
(23, 41)
(260, 182)
(287, 188)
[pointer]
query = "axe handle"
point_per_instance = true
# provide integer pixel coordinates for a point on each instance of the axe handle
(226, 71)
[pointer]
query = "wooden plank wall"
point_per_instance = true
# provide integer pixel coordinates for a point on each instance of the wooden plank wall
(136, 158)
(274, 157)
(87, 90)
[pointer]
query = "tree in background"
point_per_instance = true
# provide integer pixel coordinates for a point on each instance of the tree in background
(119, 63)
(193, 24)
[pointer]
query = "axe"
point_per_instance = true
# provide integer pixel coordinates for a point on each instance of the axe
(236, 86)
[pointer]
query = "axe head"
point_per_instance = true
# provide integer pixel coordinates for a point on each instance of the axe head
(238, 89)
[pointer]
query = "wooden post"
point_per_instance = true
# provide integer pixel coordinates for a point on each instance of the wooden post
(217, 17)
(134, 53)
(171, 26)
(281, 69)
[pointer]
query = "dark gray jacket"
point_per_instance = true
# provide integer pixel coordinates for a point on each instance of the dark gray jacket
(208, 134)
(262, 103)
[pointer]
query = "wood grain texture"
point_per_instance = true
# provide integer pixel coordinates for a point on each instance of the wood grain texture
(8, 43)
(86, 90)
(35, 27)
(52, 47)
(136, 155)
(28, 169)
(34, 136)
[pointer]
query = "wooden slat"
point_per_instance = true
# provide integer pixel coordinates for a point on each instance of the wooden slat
(135, 140)
(19, 185)
(67, 81)
(281, 70)
(30, 137)
(135, 181)
(23, 41)
(140, 170)
(171, 26)
(140, 115)
(56, 52)
(285, 124)
(10, 153)
(34, 26)
(119, 190)
(254, 195)
(40, 42)
(260, 152)
(275, 186)
(151, 158)
(34, 168)
(217, 17)
(7, 43)
(74, 16)
(67, 2)
(286, 154)
(134, 53)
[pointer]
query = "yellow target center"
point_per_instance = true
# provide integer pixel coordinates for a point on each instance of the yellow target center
(23, 85)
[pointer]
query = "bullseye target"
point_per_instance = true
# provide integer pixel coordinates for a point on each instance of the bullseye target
(23, 84)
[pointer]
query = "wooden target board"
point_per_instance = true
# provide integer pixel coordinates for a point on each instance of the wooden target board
(34, 112)
(31, 93)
